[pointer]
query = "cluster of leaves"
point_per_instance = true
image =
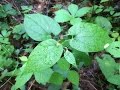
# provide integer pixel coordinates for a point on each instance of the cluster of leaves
(19, 31)
(8, 64)
(84, 37)
(110, 69)
(74, 15)
(6, 10)
(6, 49)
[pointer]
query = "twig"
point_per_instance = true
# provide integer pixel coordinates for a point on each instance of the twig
(65, 85)
(31, 85)
(17, 8)
(9, 78)
(10, 82)
(6, 1)
(26, 1)
(89, 83)
(5, 82)
(48, 6)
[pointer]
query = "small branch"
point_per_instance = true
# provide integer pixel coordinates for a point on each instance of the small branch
(5, 82)
(89, 83)
(31, 84)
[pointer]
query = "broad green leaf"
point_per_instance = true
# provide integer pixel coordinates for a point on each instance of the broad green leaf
(56, 79)
(81, 12)
(63, 64)
(39, 27)
(44, 55)
(62, 67)
(117, 14)
(110, 69)
(82, 57)
(70, 58)
(73, 77)
(21, 80)
(107, 65)
(61, 70)
(43, 76)
(19, 29)
(115, 79)
(114, 49)
(103, 22)
(65, 43)
(98, 10)
(73, 8)
(88, 37)
(104, 1)
(75, 21)
(62, 16)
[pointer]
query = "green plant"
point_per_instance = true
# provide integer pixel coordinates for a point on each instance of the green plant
(110, 69)
(63, 15)
(19, 32)
(8, 63)
(6, 50)
(54, 50)
(4, 37)
(110, 10)
(104, 1)
(50, 55)
(106, 24)
(26, 9)
(5, 63)
(114, 49)
(97, 9)
(6, 10)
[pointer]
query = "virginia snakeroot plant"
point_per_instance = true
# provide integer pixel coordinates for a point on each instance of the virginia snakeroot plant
(51, 53)
(55, 51)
